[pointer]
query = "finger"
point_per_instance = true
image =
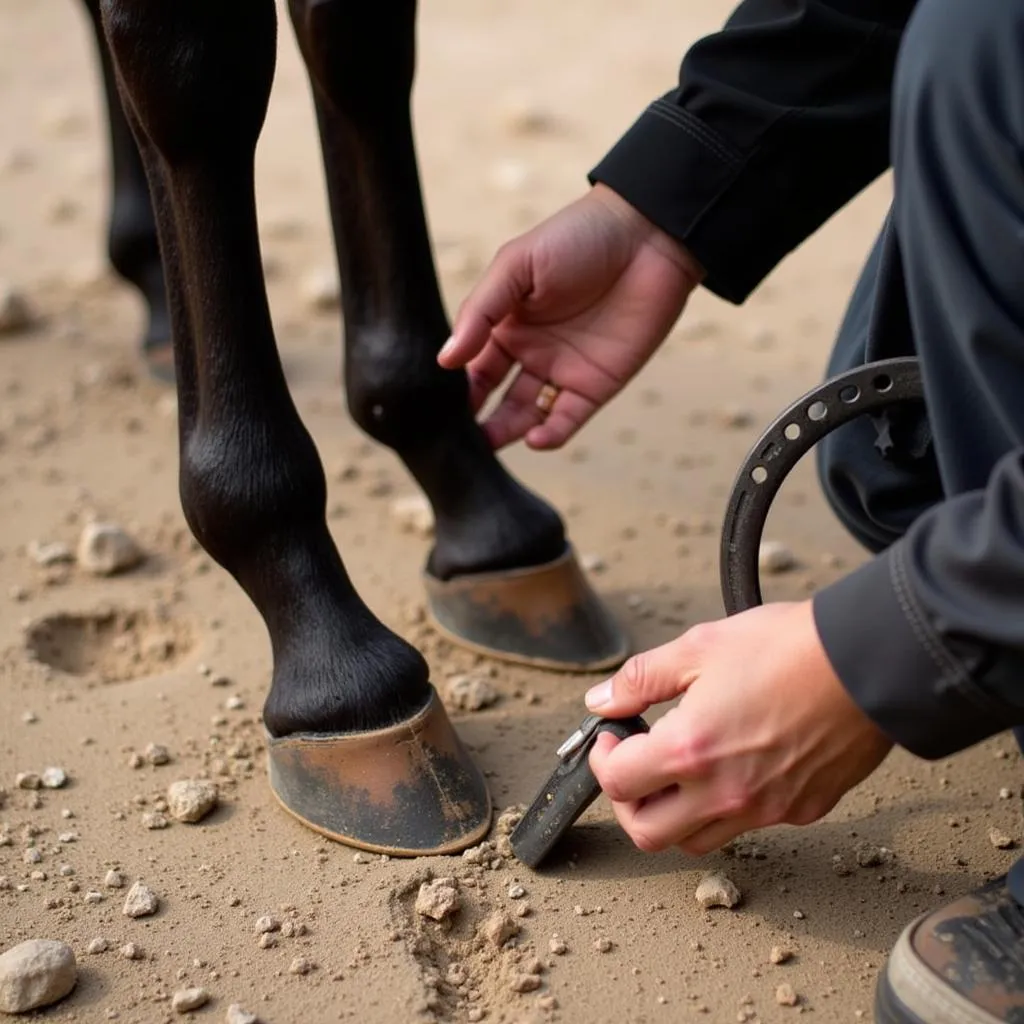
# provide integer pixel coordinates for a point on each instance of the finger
(650, 677)
(499, 293)
(567, 415)
(487, 372)
(634, 768)
(516, 413)
(715, 834)
(667, 819)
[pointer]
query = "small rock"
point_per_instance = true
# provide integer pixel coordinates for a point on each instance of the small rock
(105, 549)
(156, 754)
(47, 554)
(155, 820)
(785, 996)
(267, 923)
(30, 718)
(28, 780)
(509, 819)
(499, 928)
(438, 899)
(1000, 840)
(113, 879)
(1005, 793)
(524, 983)
(187, 999)
(236, 1015)
(557, 946)
(516, 892)
(67, 837)
(301, 965)
(15, 311)
(131, 951)
(234, 703)
(141, 901)
(360, 858)
(321, 289)
(36, 973)
(267, 940)
(54, 778)
(869, 856)
(92, 896)
(191, 799)
(780, 954)
(32, 856)
(470, 693)
(97, 946)
(716, 890)
(603, 945)
(413, 515)
(593, 563)
(774, 557)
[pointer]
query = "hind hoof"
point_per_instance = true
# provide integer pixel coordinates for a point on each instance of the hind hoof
(408, 790)
(546, 616)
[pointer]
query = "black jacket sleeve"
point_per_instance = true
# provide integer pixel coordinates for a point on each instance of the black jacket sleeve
(778, 120)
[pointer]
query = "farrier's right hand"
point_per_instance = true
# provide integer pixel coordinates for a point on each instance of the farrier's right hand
(581, 302)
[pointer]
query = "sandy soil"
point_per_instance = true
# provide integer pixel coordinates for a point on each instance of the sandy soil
(92, 671)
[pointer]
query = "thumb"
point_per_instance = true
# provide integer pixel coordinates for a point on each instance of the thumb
(504, 286)
(648, 678)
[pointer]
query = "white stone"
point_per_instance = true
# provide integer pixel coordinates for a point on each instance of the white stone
(141, 901)
(321, 289)
(36, 973)
(191, 799)
(187, 999)
(105, 549)
(774, 557)
(54, 778)
(717, 890)
(413, 514)
(438, 899)
(237, 1015)
(469, 693)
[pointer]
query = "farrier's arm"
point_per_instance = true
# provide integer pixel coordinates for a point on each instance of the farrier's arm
(778, 120)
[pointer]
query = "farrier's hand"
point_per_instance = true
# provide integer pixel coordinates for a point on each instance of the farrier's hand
(764, 734)
(580, 302)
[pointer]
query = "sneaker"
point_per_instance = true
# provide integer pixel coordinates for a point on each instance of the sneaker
(961, 964)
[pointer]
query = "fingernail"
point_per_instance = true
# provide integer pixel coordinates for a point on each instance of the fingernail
(598, 696)
(447, 346)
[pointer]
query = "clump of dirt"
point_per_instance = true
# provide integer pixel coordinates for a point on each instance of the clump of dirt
(113, 645)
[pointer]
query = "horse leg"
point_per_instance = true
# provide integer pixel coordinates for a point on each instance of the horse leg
(359, 745)
(501, 575)
(131, 232)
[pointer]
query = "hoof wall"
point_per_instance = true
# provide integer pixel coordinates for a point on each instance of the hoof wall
(546, 615)
(409, 790)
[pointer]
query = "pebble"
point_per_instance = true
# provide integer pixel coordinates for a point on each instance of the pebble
(130, 951)
(593, 563)
(92, 896)
(192, 800)
(869, 856)
(717, 890)
(499, 928)
(774, 557)
(156, 754)
(28, 780)
(187, 999)
(54, 778)
(141, 901)
(32, 856)
(321, 289)
(603, 945)
(267, 923)
(105, 549)
(780, 954)
(47, 554)
(30, 718)
(155, 820)
(237, 1015)
(413, 515)
(557, 946)
(97, 946)
(15, 311)
(267, 941)
(524, 983)
(113, 879)
(234, 703)
(300, 965)
(785, 996)
(516, 892)
(1000, 840)
(1005, 794)
(470, 693)
(36, 973)
(438, 899)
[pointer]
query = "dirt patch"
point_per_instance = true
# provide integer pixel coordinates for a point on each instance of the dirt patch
(113, 645)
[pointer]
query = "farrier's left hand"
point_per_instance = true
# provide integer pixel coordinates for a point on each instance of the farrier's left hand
(765, 733)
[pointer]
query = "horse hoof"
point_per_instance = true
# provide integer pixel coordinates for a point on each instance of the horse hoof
(159, 360)
(408, 790)
(546, 615)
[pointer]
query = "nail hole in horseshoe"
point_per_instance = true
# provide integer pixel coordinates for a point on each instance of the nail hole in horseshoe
(759, 474)
(792, 431)
(817, 411)
(849, 394)
(883, 382)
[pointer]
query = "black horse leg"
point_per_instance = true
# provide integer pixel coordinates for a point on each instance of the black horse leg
(131, 234)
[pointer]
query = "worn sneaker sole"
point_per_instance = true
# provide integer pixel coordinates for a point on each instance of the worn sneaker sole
(909, 992)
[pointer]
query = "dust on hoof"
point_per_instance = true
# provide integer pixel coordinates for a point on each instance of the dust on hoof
(114, 645)
(546, 616)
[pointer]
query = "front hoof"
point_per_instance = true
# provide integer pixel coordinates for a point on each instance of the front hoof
(408, 790)
(545, 615)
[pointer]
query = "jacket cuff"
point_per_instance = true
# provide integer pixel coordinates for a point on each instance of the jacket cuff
(895, 666)
(677, 171)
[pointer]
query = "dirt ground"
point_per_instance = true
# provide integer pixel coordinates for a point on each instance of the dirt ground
(94, 670)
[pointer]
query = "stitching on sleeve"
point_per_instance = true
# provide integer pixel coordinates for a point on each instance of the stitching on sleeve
(695, 129)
